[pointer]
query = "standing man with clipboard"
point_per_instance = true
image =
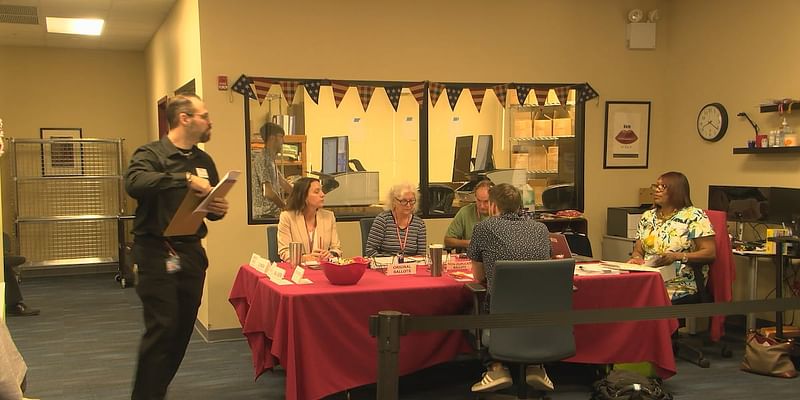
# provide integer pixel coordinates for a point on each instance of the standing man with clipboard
(171, 270)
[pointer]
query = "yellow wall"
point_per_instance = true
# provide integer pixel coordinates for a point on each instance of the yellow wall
(101, 92)
(735, 53)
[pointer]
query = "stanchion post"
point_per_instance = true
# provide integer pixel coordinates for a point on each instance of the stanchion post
(387, 327)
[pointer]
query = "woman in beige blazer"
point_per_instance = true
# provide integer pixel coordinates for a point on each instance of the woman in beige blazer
(306, 222)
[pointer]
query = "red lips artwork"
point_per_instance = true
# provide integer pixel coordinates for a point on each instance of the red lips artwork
(626, 136)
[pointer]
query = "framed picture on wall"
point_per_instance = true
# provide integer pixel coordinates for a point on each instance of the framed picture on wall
(627, 135)
(62, 154)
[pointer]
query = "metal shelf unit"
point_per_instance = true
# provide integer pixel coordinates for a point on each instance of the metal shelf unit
(68, 196)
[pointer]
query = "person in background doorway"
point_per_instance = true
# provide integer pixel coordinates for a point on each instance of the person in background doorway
(268, 182)
(508, 236)
(171, 270)
(460, 230)
(306, 222)
(397, 231)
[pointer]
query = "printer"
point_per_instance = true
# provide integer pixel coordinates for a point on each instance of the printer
(356, 188)
(623, 221)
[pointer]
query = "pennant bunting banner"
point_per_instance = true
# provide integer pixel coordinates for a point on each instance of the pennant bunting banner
(394, 95)
(339, 90)
(541, 95)
(242, 86)
(436, 90)
(522, 93)
(453, 95)
(562, 93)
(262, 88)
(477, 96)
(500, 91)
(418, 90)
(586, 93)
(312, 88)
(289, 88)
(365, 93)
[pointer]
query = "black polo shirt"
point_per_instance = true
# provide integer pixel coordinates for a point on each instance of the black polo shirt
(156, 178)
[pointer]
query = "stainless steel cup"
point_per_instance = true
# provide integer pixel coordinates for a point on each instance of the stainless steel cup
(435, 252)
(295, 253)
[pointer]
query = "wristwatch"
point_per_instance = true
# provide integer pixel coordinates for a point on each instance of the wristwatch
(685, 258)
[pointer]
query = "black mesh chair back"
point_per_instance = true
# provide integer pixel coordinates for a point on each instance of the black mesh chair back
(366, 225)
(272, 243)
(529, 287)
(441, 199)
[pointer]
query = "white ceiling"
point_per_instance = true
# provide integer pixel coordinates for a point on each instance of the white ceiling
(129, 23)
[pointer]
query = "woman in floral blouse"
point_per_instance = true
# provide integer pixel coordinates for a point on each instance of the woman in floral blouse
(675, 231)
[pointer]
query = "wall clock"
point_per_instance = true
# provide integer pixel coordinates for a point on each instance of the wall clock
(712, 122)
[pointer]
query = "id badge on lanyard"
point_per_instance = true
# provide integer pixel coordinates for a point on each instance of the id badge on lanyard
(173, 261)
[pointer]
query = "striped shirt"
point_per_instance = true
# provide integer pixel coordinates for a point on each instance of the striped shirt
(383, 240)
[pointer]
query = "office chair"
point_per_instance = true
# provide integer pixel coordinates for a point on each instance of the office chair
(578, 243)
(357, 166)
(558, 197)
(366, 225)
(718, 289)
(272, 243)
(440, 199)
(530, 287)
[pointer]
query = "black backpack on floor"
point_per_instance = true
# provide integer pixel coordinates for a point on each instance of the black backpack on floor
(628, 385)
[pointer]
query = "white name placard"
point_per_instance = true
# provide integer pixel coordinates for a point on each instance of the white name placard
(297, 276)
(401, 269)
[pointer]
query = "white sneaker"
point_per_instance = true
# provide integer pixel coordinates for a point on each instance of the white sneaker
(493, 380)
(537, 378)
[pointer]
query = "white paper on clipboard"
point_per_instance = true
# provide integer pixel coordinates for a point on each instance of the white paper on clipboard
(221, 190)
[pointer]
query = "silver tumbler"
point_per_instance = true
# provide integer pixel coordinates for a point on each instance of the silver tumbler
(435, 253)
(295, 253)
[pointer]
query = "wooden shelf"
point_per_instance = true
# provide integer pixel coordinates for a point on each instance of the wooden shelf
(281, 162)
(768, 108)
(766, 150)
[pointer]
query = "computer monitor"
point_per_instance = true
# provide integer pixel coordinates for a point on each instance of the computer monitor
(335, 154)
(484, 161)
(462, 158)
(756, 204)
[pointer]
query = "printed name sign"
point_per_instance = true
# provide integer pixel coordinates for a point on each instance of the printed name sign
(401, 269)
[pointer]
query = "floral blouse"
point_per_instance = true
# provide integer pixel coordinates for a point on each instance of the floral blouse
(675, 234)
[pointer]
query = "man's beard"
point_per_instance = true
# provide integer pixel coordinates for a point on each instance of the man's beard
(205, 136)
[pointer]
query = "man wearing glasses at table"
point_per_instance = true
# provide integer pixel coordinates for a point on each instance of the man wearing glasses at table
(460, 230)
(397, 231)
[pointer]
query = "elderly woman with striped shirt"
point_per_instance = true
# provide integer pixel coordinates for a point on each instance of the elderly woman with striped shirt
(397, 231)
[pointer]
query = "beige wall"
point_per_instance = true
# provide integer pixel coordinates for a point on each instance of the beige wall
(734, 53)
(372, 41)
(101, 92)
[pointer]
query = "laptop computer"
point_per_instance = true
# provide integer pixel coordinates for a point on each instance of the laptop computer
(559, 248)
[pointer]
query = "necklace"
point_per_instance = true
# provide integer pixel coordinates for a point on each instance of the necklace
(665, 217)
(185, 153)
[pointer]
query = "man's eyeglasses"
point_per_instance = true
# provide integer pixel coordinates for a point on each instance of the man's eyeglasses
(406, 202)
(658, 187)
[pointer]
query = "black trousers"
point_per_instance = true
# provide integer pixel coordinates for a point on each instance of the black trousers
(170, 302)
(13, 292)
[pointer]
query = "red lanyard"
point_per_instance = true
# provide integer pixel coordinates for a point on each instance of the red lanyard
(404, 240)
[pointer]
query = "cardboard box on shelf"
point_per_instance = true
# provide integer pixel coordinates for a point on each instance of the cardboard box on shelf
(519, 161)
(538, 158)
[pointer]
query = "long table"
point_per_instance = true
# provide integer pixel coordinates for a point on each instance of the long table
(319, 333)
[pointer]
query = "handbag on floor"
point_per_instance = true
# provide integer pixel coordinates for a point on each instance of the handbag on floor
(628, 385)
(767, 356)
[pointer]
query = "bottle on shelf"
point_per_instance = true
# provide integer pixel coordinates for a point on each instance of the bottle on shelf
(788, 137)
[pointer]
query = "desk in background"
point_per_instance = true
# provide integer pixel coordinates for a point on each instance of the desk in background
(753, 255)
(319, 333)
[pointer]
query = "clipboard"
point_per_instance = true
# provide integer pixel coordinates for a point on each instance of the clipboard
(194, 209)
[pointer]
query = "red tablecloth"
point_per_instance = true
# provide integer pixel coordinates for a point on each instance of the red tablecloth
(319, 333)
(623, 342)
